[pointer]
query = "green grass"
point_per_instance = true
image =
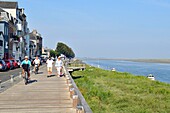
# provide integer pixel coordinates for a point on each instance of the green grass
(115, 92)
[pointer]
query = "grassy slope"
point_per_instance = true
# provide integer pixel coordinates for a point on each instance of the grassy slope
(109, 92)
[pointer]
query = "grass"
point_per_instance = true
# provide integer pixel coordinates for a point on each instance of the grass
(114, 92)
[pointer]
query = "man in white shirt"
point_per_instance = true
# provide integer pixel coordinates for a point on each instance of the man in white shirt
(36, 62)
(49, 65)
(59, 66)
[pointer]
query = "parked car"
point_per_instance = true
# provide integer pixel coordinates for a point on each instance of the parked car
(9, 64)
(19, 63)
(3, 65)
(44, 59)
(15, 63)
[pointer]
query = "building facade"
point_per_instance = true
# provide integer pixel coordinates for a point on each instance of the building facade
(14, 25)
(15, 37)
(35, 44)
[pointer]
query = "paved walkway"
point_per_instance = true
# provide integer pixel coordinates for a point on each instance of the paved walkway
(47, 95)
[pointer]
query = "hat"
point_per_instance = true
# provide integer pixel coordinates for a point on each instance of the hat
(26, 57)
(59, 56)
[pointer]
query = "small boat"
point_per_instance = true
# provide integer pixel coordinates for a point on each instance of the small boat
(113, 69)
(150, 76)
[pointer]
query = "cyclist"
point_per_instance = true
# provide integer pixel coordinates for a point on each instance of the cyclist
(36, 62)
(26, 64)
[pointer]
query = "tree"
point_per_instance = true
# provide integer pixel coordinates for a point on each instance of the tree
(53, 53)
(65, 50)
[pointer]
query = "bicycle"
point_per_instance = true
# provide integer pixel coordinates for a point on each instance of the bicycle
(26, 69)
(26, 77)
(36, 68)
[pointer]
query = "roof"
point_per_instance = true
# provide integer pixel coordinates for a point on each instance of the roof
(1, 10)
(8, 4)
(32, 37)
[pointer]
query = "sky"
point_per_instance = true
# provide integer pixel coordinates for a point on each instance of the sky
(103, 28)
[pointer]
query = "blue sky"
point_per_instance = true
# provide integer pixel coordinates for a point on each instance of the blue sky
(103, 28)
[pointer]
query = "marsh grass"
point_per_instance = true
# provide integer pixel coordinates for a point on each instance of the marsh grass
(114, 92)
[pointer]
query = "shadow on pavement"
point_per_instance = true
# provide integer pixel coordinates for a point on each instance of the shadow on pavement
(32, 81)
(40, 72)
(51, 75)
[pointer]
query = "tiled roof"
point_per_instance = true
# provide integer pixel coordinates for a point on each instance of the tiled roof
(8, 4)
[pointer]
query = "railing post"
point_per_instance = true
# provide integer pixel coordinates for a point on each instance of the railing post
(12, 78)
(70, 86)
(75, 101)
(68, 79)
(71, 92)
(80, 109)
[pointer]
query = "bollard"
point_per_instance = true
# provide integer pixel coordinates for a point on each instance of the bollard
(80, 109)
(20, 74)
(70, 86)
(75, 101)
(0, 84)
(12, 78)
(71, 92)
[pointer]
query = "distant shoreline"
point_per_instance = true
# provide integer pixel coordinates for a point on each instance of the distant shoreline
(166, 61)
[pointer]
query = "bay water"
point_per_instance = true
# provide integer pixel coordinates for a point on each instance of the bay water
(160, 71)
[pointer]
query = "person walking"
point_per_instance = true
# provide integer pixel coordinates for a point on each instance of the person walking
(59, 66)
(49, 65)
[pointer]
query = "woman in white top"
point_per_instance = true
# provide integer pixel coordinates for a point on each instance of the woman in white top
(59, 66)
(49, 65)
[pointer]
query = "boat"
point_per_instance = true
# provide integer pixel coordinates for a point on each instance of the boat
(150, 76)
(113, 69)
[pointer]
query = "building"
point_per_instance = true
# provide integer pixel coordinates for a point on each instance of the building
(15, 37)
(8, 13)
(35, 44)
(45, 52)
(4, 28)
(14, 26)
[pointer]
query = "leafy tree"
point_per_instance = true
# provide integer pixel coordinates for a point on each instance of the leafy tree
(65, 50)
(53, 53)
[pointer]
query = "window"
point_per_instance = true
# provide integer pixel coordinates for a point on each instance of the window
(1, 43)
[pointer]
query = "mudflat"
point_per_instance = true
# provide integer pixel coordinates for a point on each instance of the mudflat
(150, 60)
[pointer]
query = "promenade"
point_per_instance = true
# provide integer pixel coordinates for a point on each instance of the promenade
(43, 95)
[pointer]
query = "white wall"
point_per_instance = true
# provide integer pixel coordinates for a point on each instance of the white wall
(2, 27)
(11, 11)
